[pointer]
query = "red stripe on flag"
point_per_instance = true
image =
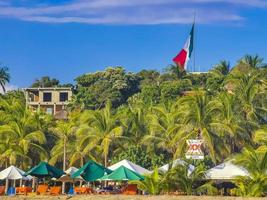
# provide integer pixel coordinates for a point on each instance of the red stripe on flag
(180, 59)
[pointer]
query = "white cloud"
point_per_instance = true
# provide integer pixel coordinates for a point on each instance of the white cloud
(132, 11)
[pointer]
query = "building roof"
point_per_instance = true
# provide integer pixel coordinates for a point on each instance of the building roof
(48, 88)
(226, 171)
(128, 164)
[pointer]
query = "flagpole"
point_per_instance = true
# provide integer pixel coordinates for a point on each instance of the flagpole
(194, 39)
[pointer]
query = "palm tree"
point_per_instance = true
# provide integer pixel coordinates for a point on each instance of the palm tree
(260, 137)
(198, 123)
(248, 89)
(101, 131)
(11, 153)
(78, 154)
(182, 180)
(227, 119)
(217, 76)
(253, 61)
(134, 122)
(4, 77)
(255, 162)
(164, 125)
(250, 187)
(64, 132)
(175, 70)
(21, 129)
(221, 69)
(151, 183)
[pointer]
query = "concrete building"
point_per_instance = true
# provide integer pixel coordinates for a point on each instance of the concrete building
(50, 100)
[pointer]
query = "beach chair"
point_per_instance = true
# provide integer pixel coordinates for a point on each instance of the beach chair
(2, 190)
(23, 190)
(56, 190)
(131, 189)
(82, 190)
(42, 189)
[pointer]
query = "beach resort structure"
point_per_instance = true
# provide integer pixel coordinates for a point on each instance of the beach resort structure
(50, 100)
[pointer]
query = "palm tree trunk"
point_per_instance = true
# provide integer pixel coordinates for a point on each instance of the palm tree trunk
(3, 87)
(106, 160)
(81, 161)
(106, 163)
(64, 163)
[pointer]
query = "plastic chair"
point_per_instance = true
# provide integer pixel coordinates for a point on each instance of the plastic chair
(11, 191)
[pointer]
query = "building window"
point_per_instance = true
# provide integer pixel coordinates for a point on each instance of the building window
(63, 96)
(47, 97)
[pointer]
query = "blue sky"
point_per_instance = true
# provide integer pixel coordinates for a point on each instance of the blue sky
(66, 38)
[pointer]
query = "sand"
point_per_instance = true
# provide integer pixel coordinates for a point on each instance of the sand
(124, 197)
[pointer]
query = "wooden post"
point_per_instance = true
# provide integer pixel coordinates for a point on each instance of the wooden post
(6, 186)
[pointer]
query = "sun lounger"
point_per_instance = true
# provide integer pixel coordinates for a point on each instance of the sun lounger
(42, 189)
(56, 190)
(2, 190)
(131, 189)
(23, 190)
(82, 190)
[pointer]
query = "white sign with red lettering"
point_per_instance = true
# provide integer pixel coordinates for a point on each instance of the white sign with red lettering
(194, 151)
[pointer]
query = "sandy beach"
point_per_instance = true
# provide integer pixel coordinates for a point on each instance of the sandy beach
(124, 197)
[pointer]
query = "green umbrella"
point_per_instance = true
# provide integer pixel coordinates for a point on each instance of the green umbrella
(43, 169)
(91, 171)
(123, 174)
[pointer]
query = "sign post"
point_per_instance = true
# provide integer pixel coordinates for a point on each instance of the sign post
(194, 152)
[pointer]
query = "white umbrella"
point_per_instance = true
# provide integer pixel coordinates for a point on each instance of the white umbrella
(128, 164)
(174, 163)
(13, 173)
(226, 171)
(67, 177)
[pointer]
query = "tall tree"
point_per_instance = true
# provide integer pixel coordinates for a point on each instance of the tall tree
(65, 133)
(226, 117)
(255, 162)
(253, 61)
(248, 89)
(4, 77)
(22, 130)
(45, 81)
(101, 131)
(164, 125)
(198, 123)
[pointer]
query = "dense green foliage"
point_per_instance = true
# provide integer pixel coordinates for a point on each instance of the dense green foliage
(146, 117)
(46, 81)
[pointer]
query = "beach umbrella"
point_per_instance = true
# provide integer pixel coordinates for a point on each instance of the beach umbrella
(130, 165)
(166, 167)
(123, 174)
(67, 176)
(226, 171)
(91, 171)
(43, 169)
(14, 173)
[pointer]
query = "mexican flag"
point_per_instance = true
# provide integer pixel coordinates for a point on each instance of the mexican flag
(184, 55)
